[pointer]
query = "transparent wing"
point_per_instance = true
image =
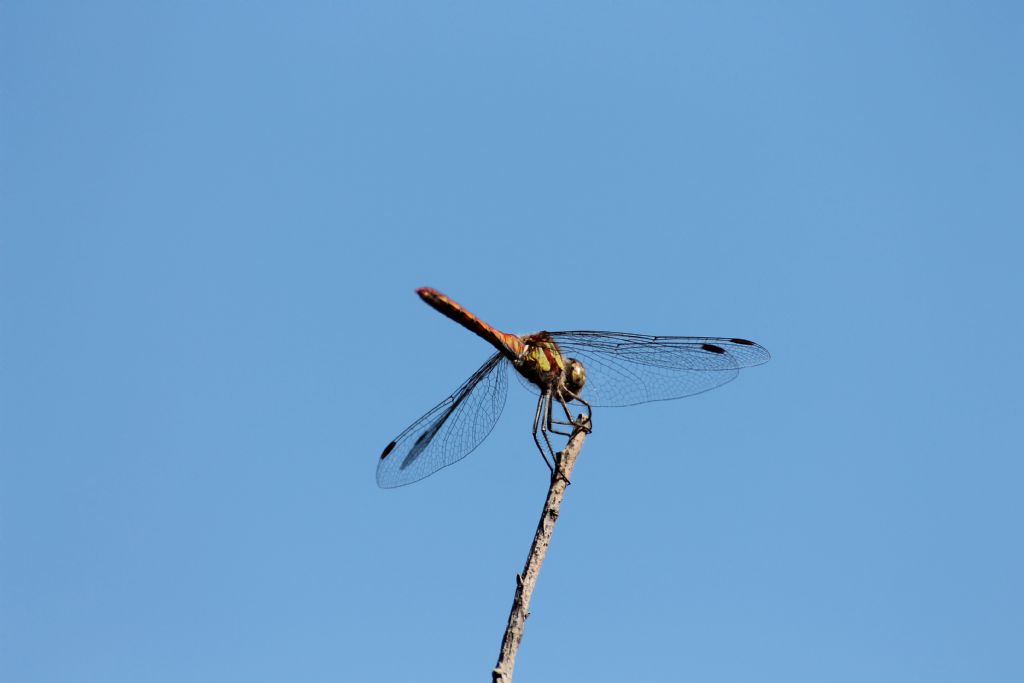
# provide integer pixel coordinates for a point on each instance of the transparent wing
(450, 431)
(625, 369)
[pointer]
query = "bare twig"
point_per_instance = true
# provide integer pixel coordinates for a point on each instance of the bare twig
(526, 581)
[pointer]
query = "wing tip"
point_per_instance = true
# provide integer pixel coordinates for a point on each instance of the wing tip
(762, 354)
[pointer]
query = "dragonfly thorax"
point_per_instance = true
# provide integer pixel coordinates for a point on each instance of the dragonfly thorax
(542, 363)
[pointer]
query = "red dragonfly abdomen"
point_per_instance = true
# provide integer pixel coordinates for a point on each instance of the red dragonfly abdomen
(509, 344)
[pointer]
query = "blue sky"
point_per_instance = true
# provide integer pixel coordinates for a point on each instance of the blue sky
(214, 216)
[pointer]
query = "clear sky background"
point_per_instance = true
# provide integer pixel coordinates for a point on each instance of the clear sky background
(213, 219)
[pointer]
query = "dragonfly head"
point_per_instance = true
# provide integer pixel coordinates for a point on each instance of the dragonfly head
(575, 376)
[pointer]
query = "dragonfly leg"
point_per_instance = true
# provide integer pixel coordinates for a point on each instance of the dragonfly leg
(577, 422)
(565, 407)
(538, 423)
(545, 403)
(544, 426)
(552, 422)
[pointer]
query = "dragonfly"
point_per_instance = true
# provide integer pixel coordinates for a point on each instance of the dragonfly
(592, 369)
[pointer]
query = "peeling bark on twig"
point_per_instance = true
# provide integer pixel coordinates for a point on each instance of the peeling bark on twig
(526, 581)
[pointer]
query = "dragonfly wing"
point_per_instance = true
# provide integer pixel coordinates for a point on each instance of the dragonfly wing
(450, 430)
(625, 369)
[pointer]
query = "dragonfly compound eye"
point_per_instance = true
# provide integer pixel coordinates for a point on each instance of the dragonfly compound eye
(575, 376)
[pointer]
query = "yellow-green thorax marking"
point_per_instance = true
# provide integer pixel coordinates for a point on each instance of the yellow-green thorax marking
(542, 361)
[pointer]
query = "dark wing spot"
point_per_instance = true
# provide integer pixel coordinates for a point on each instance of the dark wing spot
(712, 348)
(745, 342)
(391, 447)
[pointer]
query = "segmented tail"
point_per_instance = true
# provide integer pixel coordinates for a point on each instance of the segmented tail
(509, 344)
